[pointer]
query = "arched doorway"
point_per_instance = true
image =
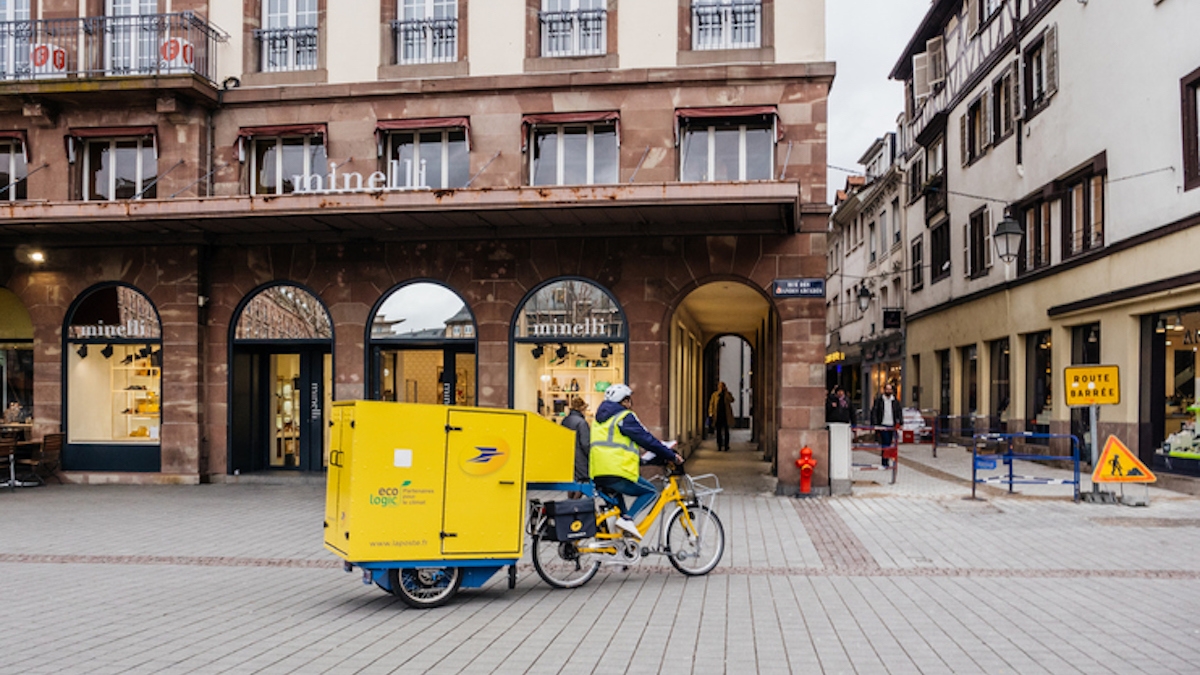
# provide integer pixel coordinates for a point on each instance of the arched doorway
(725, 331)
(16, 362)
(112, 366)
(280, 381)
(570, 339)
(421, 347)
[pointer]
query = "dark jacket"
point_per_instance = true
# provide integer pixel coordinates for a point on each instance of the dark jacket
(631, 427)
(576, 422)
(877, 411)
(838, 410)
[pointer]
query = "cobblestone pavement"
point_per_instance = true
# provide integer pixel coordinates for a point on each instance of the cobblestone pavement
(910, 578)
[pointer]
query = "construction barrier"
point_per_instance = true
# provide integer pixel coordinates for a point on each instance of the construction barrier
(990, 461)
(866, 438)
(920, 427)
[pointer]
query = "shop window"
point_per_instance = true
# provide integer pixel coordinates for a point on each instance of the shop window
(1039, 384)
(434, 158)
(285, 164)
(113, 361)
(14, 41)
(1083, 215)
(939, 251)
(917, 263)
(915, 378)
(943, 359)
(727, 150)
(120, 168)
(1189, 88)
(423, 345)
(1001, 373)
(284, 312)
(16, 364)
(13, 170)
(573, 27)
(726, 24)
(426, 32)
(970, 388)
(574, 154)
(569, 340)
(1085, 350)
(288, 40)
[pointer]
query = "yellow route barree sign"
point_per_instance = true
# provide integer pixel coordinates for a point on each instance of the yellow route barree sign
(1092, 385)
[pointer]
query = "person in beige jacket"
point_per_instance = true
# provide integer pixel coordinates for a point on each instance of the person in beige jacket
(720, 411)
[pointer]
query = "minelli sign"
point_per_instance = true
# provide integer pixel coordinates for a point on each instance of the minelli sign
(587, 328)
(134, 328)
(399, 176)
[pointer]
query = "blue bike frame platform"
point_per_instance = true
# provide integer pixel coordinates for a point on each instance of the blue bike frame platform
(475, 573)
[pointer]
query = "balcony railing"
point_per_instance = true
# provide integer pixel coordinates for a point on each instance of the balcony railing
(287, 49)
(109, 46)
(426, 40)
(729, 25)
(574, 33)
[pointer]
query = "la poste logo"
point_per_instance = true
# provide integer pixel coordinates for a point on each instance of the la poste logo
(484, 458)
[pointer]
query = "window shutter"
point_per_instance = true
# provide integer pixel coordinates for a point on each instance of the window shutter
(937, 60)
(920, 76)
(972, 16)
(985, 112)
(1009, 104)
(908, 101)
(987, 238)
(962, 138)
(1018, 100)
(966, 249)
(1051, 60)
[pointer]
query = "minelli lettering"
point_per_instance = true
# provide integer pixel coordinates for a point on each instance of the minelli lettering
(401, 175)
(588, 328)
(131, 328)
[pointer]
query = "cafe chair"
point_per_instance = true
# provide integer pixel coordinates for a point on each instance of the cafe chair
(8, 447)
(45, 462)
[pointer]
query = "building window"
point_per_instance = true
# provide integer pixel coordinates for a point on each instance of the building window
(14, 40)
(1041, 70)
(939, 252)
(916, 179)
(574, 154)
(1037, 236)
(975, 128)
(1190, 92)
(897, 235)
(119, 168)
(132, 37)
(727, 150)
(427, 31)
(279, 164)
(13, 170)
(871, 242)
(289, 41)
(435, 158)
(979, 244)
(1001, 101)
(574, 27)
(726, 24)
(917, 262)
(935, 158)
(1083, 216)
(884, 239)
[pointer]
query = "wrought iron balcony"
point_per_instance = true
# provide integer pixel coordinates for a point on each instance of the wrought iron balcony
(109, 46)
(287, 49)
(426, 40)
(726, 25)
(574, 33)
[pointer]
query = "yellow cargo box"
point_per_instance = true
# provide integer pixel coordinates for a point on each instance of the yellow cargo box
(412, 482)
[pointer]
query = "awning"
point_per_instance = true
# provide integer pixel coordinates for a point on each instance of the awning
(111, 132)
(567, 118)
(284, 130)
(382, 126)
(21, 136)
(729, 112)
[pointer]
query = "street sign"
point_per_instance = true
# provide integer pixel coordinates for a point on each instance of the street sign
(1118, 465)
(985, 463)
(1092, 385)
(798, 288)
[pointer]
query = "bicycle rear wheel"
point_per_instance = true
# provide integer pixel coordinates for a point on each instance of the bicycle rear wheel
(695, 554)
(561, 564)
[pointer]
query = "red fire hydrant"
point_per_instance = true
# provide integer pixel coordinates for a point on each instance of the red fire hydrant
(806, 464)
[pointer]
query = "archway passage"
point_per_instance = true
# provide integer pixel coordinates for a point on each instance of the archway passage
(726, 331)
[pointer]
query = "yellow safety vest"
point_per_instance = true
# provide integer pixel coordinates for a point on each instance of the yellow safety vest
(613, 453)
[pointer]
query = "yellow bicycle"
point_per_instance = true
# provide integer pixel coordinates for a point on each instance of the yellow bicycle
(692, 539)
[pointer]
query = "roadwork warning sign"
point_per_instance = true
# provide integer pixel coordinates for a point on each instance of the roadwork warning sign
(1092, 385)
(1118, 465)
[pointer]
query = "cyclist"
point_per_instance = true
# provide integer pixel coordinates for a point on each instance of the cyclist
(614, 461)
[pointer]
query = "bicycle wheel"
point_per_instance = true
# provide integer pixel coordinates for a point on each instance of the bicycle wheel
(698, 554)
(425, 587)
(560, 563)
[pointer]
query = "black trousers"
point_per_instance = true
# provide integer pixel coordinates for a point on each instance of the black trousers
(722, 435)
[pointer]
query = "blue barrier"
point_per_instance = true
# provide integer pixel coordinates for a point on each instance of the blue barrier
(988, 462)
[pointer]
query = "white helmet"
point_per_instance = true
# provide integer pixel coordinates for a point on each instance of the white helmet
(617, 392)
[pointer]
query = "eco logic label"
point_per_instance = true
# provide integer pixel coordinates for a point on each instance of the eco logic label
(1092, 385)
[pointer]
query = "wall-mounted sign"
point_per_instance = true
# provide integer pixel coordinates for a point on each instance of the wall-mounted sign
(133, 328)
(835, 357)
(398, 177)
(892, 318)
(798, 288)
(587, 328)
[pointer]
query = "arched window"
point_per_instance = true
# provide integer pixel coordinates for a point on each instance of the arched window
(422, 346)
(570, 340)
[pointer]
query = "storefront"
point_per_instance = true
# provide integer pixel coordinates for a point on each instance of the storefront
(422, 339)
(112, 368)
(16, 363)
(280, 381)
(569, 340)
(1171, 390)
(882, 365)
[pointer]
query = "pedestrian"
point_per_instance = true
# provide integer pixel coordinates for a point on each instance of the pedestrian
(886, 412)
(837, 408)
(575, 421)
(720, 409)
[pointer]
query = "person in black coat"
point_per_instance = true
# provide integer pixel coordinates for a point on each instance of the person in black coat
(887, 412)
(575, 421)
(837, 407)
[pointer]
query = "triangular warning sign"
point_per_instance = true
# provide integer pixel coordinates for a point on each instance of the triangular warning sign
(1118, 465)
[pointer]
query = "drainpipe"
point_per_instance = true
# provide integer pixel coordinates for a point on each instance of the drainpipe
(1020, 74)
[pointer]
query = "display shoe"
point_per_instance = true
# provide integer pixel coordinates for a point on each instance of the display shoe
(628, 527)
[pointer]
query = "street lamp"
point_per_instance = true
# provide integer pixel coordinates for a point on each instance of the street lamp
(864, 298)
(1008, 236)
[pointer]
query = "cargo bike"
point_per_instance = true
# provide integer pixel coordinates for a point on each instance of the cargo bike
(428, 499)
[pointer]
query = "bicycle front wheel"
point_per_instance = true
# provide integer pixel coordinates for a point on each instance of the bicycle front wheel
(695, 549)
(561, 564)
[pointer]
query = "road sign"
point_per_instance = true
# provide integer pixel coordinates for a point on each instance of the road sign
(798, 288)
(1092, 385)
(1118, 465)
